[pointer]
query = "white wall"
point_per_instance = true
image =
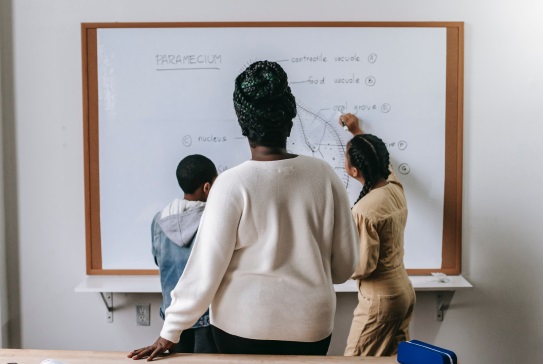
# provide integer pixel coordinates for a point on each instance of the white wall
(500, 321)
(3, 270)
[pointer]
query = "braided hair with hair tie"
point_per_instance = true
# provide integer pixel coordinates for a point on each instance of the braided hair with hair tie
(370, 156)
(264, 103)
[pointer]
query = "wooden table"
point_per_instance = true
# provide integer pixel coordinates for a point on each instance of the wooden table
(24, 356)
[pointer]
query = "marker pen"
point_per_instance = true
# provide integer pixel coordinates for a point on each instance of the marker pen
(345, 127)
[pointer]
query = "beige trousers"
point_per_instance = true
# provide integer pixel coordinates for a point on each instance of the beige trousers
(381, 319)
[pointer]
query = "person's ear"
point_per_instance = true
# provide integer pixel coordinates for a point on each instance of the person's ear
(207, 188)
(353, 172)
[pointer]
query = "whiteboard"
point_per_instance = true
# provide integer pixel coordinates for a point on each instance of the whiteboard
(164, 93)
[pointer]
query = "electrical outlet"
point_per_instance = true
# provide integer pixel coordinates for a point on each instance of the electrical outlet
(143, 314)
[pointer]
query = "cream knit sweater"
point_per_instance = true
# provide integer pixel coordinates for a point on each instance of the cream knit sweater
(274, 238)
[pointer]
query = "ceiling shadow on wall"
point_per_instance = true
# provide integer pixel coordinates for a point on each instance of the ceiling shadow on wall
(9, 165)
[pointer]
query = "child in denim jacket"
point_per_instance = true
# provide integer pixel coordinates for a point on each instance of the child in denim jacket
(173, 231)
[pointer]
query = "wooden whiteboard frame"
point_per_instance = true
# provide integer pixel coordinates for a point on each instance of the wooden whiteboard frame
(452, 207)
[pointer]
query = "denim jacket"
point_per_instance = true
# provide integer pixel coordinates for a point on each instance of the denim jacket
(173, 231)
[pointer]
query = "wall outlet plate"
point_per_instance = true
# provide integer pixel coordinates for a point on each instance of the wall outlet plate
(143, 314)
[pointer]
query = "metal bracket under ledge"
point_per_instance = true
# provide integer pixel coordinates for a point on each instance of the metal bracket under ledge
(108, 301)
(443, 300)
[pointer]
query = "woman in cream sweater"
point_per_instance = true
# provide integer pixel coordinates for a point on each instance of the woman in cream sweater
(276, 235)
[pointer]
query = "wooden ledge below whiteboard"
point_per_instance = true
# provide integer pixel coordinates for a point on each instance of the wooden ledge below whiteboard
(151, 284)
(23, 356)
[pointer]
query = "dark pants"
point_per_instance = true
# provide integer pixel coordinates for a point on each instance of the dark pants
(197, 340)
(232, 344)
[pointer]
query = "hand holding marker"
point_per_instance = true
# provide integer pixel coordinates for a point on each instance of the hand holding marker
(350, 123)
(341, 115)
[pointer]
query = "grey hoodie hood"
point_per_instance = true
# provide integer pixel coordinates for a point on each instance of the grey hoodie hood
(180, 220)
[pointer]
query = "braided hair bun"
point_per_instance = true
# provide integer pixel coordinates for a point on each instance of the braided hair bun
(264, 103)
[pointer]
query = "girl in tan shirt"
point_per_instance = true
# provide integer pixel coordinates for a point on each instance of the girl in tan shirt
(385, 295)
